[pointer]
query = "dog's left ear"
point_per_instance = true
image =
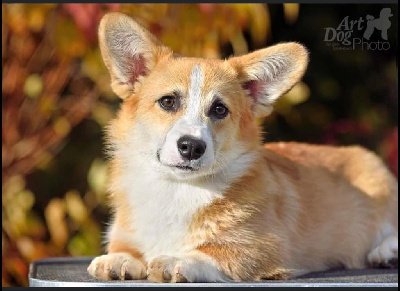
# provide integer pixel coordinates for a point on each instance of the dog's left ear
(268, 73)
(129, 52)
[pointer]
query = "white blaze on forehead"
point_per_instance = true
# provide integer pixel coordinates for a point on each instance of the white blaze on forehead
(190, 124)
(195, 86)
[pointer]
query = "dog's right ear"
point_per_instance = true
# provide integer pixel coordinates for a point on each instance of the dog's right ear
(129, 52)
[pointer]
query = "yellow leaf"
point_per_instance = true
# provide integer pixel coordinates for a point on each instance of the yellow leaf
(23, 148)
(36, 19)
(291, 12)
(55, 219)
(102, 114)
(25, 199)
(62, 126)
(33, 86)
(97, 178)
(76, 209)
(45, 160)
(239, 44)
(68, 39)
(11, 186)
(298, 94)
(260, 24)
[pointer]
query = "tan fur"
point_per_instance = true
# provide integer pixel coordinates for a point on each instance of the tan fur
(317, 228)
(294, 209)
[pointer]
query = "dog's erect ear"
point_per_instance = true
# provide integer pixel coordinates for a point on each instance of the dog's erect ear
(268, 73)
(129, 51)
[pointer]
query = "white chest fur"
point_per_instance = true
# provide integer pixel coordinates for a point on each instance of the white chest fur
(162, 209)
(162, 212)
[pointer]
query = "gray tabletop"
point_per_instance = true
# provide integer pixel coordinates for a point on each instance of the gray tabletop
(72, 272)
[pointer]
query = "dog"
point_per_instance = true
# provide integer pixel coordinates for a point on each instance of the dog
(382, 23)
(195, 195)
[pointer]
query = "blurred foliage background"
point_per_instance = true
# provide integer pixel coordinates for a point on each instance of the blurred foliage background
(56, 100)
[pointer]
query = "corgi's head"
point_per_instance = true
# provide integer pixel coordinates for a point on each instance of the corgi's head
(191, 117)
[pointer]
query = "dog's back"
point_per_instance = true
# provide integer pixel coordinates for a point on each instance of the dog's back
(362, 168)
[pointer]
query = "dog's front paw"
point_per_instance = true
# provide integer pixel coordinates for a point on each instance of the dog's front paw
(385, 255)
(117, 266)
(195, 267)
(166, 269)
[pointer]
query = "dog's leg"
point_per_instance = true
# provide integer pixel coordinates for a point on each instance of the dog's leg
(384, 34)
(194, 267)
(370, 27)
(385, 255)
(220, 263)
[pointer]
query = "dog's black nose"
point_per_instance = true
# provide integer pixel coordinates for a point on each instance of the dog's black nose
(191, 148)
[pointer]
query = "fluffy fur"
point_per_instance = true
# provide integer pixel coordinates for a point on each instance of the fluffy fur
(242, 211)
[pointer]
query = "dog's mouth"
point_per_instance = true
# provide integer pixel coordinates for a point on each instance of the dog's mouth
(185, 168)
(182, 167)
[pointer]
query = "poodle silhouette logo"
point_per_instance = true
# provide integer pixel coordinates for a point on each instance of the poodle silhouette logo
(382, 23)
(360, 33)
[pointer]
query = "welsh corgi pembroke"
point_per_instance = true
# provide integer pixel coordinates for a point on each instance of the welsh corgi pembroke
(195, 195)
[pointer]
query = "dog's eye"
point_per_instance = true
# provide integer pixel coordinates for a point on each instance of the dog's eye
(168, 103)
(219, 111)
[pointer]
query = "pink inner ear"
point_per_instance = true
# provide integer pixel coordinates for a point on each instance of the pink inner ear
(255, 89)
(138, 69)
